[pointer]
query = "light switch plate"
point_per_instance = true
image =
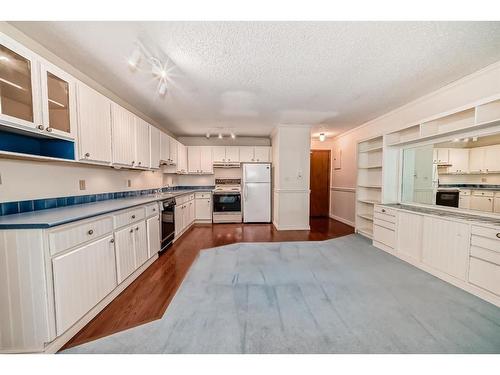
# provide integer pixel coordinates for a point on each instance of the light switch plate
(82, 184)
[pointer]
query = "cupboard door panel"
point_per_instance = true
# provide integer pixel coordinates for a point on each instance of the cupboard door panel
(125, 252)
(141, 244)
(123, 136)
(193, 157)
(410, 235)
(173, 151)
(94, 125)
(446, 246)
(476, 159)
(262, 154)
(82, 278)
(142, 147)
(164, 148)
(155, 143)
(246, 154)
(232, 154)
(153, 228)
(203, 209)
(206, 163)
(479, 203)
(219, 154)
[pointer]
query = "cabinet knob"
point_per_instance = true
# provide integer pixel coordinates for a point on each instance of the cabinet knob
(133, 216)
(154, 209)
(133, 161)
(90, 232)
(136, 228)
(41, 127)
(87, 154)
(498, 235)
(139, 163)
(49, 129)
(383, 210)
(131, 230)
(112, 240)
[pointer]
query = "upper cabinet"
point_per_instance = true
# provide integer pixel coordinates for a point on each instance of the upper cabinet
(123, 131)
(19, 86)
(226, 154)
(182, 161)
(459, 160)
(58, 101)
(491, 156)
(164, 148)
(94, 125)
(155, 147)
(199, 159)
(250, 154)
(142, 146)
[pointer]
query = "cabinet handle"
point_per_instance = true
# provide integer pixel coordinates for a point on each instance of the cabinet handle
(133, 216)
(41, 127)
(132, 230)
(112, 240)
(498, 235)
(90, 232)
(49, 129)
(383, 210)
(136, 228)
(87, 154)
(154, 209)
(140, 163)
(133, 161)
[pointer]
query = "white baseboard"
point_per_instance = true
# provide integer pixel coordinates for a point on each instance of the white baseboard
(342, 220)
(291, 227)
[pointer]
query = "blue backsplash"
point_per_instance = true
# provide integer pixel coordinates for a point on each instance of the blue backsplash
(9, 208)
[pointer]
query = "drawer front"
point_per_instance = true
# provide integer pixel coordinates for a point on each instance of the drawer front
(384, 217)
(129, 217)
(483, 193)
(491, 233)
(485, 254)
(152, 209)
(486, 243)
(384, 235)
(204, 195)
(191, 197)
(66, 237)
(464, 192)
(385, 224)
(485, 275)
(384, 210)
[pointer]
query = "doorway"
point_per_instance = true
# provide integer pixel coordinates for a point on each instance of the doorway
(319, 202)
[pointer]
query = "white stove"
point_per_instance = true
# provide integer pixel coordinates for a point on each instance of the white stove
(227, 201)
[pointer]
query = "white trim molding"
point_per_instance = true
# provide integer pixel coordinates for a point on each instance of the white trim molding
(342, 220)
(343, 189)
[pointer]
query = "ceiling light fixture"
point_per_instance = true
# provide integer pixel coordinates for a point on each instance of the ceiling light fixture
(207, 135)
(4, 58)
(135, 58)
(466, 139)
(474, 139)
(322, 137)
(233, 136)
(456, 140)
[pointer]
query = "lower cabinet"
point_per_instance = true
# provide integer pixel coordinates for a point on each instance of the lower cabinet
(153, 229)
(131, 249)
(82, 278)
(203, 208)
(184, 213)
(481, 203)
(409, 237)
(445, 246)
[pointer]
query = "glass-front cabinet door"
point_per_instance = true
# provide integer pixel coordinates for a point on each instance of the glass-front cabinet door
(58, 98)
(19, 100)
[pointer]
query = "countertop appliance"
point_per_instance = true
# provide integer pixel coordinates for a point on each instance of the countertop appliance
(227, 201)
(257, 193)
(448, 197)
(167, 223)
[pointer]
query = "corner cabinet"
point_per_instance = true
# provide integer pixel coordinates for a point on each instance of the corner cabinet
(94, 125)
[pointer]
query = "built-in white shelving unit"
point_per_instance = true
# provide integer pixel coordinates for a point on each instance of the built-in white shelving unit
(369, 183)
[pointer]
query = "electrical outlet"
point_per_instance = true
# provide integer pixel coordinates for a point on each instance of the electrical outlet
(129, 183)
(82, 185)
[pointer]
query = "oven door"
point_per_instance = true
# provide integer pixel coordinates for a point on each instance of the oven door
(227, 202)
(447, 198)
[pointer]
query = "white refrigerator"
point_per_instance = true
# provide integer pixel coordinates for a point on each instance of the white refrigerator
(257, 193)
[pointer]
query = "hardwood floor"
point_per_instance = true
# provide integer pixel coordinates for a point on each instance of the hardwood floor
(147, 298)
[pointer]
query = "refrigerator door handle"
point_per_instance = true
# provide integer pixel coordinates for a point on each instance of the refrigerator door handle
(246, 192)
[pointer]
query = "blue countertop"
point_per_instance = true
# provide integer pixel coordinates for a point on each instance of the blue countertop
(63, 215)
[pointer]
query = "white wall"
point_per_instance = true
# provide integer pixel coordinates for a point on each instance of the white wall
(291, 158)
(479, 85)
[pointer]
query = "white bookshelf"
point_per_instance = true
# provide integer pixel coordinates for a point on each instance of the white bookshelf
(369, 183)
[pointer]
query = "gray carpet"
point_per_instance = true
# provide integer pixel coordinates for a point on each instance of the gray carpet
(336, 296)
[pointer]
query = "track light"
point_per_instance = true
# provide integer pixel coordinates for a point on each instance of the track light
(162, 89)
(474, 139)
(233, 136)
(207, 135)
(220, 136)
(322, 137)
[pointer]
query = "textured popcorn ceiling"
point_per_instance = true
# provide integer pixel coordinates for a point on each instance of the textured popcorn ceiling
(251, 76)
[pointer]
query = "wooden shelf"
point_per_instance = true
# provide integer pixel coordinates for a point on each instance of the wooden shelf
(370, 186)
(369, 201)
(373, 149)
(366, 231)
(371, 167)
(21, 156)
(366, 216)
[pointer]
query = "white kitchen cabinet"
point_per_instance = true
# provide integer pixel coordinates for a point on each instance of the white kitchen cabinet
(82, 278)
(155, 147)
(492, 158)
(123, 136)
(459, 160)
(94, 125)
(140, 244)
(203, 206)
(153, 229)
(482, 201)
(178, 217)
(125, 252)
(199, 159)
(164, 147)
(262, 154)
(249, 154)
(496, 207)
(445, 246)
(464, 199)
(191, 210)
(182, 159)
(174, 151)
(142, 147)
(441, 155)
(58, 101)
(409, 234)
(476, 159)
(226, 154)
(19, 86)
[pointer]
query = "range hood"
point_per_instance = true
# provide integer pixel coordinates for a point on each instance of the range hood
(227, 165)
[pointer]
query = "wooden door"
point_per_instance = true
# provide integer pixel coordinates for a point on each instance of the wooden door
(232, 154)
(193, 157)
(262, 154)
(142, 146)
(141, 244)
(319, 203)
(410, 235)
(153, 228)
(206, 164)
(164, 147)
(125, 252)
(155, 143)
(123, 131)
(246, 154)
